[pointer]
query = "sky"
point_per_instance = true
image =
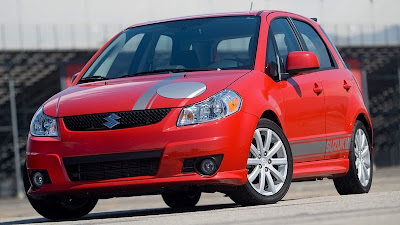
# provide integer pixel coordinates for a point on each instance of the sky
(109, 16)
(134, 11)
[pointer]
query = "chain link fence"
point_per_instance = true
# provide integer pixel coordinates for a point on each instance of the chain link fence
(37, 75)
(85, 36)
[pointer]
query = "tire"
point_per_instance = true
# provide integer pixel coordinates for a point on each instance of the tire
(352, 182)
(277, 159)
(181, 199)
(70, 208)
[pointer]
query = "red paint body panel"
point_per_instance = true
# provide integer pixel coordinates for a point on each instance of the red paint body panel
(123, 93)
(323, 168)
(337, 100)
(304, 111)
(314, 109)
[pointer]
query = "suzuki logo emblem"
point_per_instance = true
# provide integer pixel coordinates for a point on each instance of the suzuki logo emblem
(111, 120)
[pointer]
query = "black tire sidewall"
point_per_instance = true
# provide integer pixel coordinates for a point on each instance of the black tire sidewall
(54, 210)
(181, 199)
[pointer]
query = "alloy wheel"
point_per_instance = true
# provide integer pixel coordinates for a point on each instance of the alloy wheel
(363, 158)
(267, 164)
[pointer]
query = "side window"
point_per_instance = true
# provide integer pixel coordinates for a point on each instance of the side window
(162, 52)
(285, 38)
(334, 47)
(314, 43)
(271, 64)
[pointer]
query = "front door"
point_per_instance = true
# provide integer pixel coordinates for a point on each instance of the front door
(304, 115)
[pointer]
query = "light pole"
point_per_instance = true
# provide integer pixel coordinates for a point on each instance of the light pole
(14, 125)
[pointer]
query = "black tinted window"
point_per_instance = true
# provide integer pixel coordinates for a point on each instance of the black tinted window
(271, 64)
(285, 38)
(314, 43)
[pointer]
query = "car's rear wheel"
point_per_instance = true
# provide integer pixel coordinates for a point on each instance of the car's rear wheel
(358, 179)
(67, 208)
(181, 199)
(269, 165)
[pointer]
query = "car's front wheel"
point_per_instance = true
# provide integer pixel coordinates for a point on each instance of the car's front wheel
(68, 208)
(269, 165)
(181, 199)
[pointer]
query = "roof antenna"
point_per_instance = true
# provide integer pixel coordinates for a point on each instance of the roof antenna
(251, 6)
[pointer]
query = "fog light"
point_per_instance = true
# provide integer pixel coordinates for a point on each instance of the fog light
(208, 166)
(38, 179)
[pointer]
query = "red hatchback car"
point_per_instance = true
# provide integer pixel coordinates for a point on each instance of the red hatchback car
(239, 103)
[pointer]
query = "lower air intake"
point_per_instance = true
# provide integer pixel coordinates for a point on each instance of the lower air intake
(112, 166)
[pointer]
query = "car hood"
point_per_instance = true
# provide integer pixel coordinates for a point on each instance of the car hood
(139, 93)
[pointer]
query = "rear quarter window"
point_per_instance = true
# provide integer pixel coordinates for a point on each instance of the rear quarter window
(334, 47)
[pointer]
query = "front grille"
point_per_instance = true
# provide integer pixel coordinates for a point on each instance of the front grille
(127, 119)
(112, 166)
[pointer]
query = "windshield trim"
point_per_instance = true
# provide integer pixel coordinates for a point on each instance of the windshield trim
(201, 16)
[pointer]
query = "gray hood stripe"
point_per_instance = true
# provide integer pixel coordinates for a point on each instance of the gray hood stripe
(142, 102)
(152, 100)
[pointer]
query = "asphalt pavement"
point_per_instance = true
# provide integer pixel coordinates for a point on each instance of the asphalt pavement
(306, 203)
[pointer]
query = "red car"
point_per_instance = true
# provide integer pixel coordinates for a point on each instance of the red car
(239, 103)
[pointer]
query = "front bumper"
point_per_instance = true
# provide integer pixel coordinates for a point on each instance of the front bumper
(230, 136)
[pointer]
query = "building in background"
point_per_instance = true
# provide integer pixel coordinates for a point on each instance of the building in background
(44, 42)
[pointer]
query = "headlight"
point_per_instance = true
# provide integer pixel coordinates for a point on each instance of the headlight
(43, 125)
(218, 106)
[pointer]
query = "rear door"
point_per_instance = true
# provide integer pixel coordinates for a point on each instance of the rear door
(304, 116)
(336, 88)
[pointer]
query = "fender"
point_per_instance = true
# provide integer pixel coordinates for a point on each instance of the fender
(356, 108)
(267, 96)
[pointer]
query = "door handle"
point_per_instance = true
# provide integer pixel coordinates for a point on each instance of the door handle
(317, 89)
(346, 86)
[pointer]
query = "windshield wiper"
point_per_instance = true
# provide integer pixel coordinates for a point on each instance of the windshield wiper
(92, 79)
(168, 71)
(99, 78)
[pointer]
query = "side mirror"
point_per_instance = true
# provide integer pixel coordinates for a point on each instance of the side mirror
(301, 61)
(74, 77)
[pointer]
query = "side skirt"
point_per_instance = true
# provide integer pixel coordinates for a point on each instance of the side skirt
(319, 169)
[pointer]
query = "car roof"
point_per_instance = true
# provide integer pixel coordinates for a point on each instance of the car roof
(247, 13)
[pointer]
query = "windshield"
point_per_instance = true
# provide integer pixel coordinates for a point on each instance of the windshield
(195, 44)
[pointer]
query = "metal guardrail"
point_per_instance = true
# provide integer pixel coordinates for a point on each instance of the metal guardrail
(85, 36)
